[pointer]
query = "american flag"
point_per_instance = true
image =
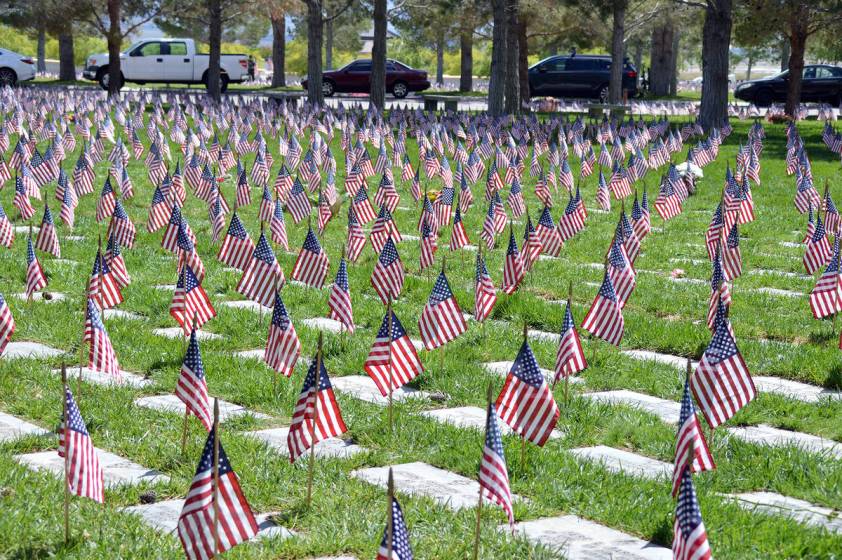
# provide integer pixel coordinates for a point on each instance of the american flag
(170, 239)
(722, 383)
(282, 345)
(159, 212)
(243, 190)
(532, 246)
(115, 261)
(101, 356)
(512, 266)
(123, 227)
(21, 201)
(298, 204)
(548, 234)
(312, 263)
(190, 301)
(84, 473)
(690, 441)
(831, 217)
(324, 211)
(444, 206)
(103, 287)
(339, 300)
(392, 361)
(485, 295)
(237, 247)
(466, 197)
(35, 278)
(605, 317)
(399, 548)
(362, 207)
(356, 236)
(572, 221)
(7, 324)
(719, 291)
(388, 274)
(625, 231)
(383, 228)
(641, 221)
(570, 358)
(621, 272)
(818, 249)
(283, 182)
(428, 215)
(187, 253)
(7, 231)
(713, 235)
(441, 319)
(47, 239)
(526, 403)
(277, 226)
(458, 235)
(316, 416)
(262, 274)
(208, 503)
(191, 387)
(691, 540)
(105, 204)
(826, 296)
(386, 194)
(267, 205)
(493, 474)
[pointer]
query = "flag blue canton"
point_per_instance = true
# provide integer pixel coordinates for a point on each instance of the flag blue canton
(512, 250)
(526, 367)
(263, 252)
(311, 242)
(734, 238)
(206, 462)
(441, 291)
(280, 317)
(74, 418)
(310, 378)
(397, 328)
(30, 251)
(546, 219)
(93, 316)
(493, 440)
(193, 358)
(342, 276)
(687, 512)
(400, 535)
(389, 254)
(722, 346)
(567, 323)
(607, 288)
(615, 257)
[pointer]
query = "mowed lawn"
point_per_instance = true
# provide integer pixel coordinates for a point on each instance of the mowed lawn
(776, 334)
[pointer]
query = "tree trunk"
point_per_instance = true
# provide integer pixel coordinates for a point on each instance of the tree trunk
(377, 97)
(440, 57)
(523, 60)
(466, 63)
(279, 43)
(716, 40)
(329, 44)
(660, 56)
(215, 48)
(114, 40)
(797, 45)
(673, 70)
(638, 61)
(66, 56)
(512, 84)
(314, 52)
(749, 64)
(42, 47)
(497, 80)
(784, 53)
(618, 31)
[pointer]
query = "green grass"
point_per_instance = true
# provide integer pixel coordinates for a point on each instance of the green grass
(348, 515)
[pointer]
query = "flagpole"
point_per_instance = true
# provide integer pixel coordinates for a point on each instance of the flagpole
(215, 476)
(314, 390)
(479, 500)
(389, 364)
(390, 520)
(523, 439)
(29, 297)
(66, 456)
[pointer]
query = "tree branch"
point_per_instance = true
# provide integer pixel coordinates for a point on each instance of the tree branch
(326, 19)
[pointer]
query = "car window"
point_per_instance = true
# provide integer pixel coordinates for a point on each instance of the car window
(360, 66)
(149, 49)
(584, 64)
(178, 49)
(390, 67)
(809, 72)
(555, 65)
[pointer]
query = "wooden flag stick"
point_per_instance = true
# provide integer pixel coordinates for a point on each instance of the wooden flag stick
(389, 365)
(312, 466)
(390, 520)
(489, 397)
(215, 476)
(66, 455)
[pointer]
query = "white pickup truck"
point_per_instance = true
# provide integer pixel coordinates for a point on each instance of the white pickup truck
(169, 61)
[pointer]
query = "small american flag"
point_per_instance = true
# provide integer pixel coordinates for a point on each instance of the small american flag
(532, 245)
(115, 261)
(722, 383)
(691, 540)
(123, 227)
(826, 296)
(572, 221)
(190, 301)
(159, 212)
(103, 287)
(720, 293)
(47, 239)
(356, 236)
(170, 239)
(339, 301)
(388, 274)
(621, 272)
(392, 361)
(101, 356)
(105, 204)
(690, 440)
(732, 260)
(191, 387)
(84, 473)
(493, 474)
(35, 278)
(383, 228)
(512, 266)
(526, 403)
(298, 204)
(237, 247)
(458, 235)
(444, 206)
(21, 201)
(261, 275)
(362, 206)
(485, 295)
(441, 319)
(713, 235)
(605, 317)
(570, 358)
(428, 245)
(7, 324)
(7, 231)
(277, 226)
(548, 233)
(236, 522)
(282, 346)
(316, 416)
(818, 249)
(399, 547)
(312, 263)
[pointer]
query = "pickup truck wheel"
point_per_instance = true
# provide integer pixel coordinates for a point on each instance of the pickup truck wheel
(603, 94)
(399, 90)
(328, 88)
(8, 77)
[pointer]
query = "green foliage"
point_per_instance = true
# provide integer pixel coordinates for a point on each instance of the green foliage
(11, 38)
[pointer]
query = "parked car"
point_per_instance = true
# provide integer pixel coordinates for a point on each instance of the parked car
(820, 82)
(15, 68)
(578, 75)
(170, 61)
(355, 77)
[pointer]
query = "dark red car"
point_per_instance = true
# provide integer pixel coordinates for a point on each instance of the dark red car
(355, 77)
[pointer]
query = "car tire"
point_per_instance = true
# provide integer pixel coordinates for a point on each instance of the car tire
(328, 88)
(8, 77)
(603, 93)
(400, 90)
(763, 98)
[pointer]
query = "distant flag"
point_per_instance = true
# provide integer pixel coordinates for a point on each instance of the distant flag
(84, 473)
(811, 226)
(383, 228)
(818, 249)
(356, 236)
(21, 201)
(720, 293)
(312, 263)
(339, 300)
(641, 221)
(277, 226)
(209, 502)
(826, 296)
(159, 212)
(605, 317)
(267, 205)
(261, 275)
(690, 540)
(35, 277)
(47, 239)
(493, 473)
(190, 301)
(713, 235)
(512, 266)
(282, 345)
(7, 324)
(170, 239)
(526, 402)
(458, 235)
(621, 272)
(237, 247)
(191, 387)
(101, 355)
(570, 358)
(572, 220)
(388, 274)
(441, 319)
(485, 295)
(7, 231)
(392, 361)
(831, 217)
(298, 204)
(115, 261)
(316, 416)
(103, 287)
(515, 199)
(548, 234)
(362, 206)
(428, 247)
(123, 227)
(532, 245)
(603, 196)
(689, 441)
(732, 260)
(105, 204)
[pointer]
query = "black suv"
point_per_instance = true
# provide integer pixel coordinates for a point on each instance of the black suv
(819, 82)
(578, 75)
